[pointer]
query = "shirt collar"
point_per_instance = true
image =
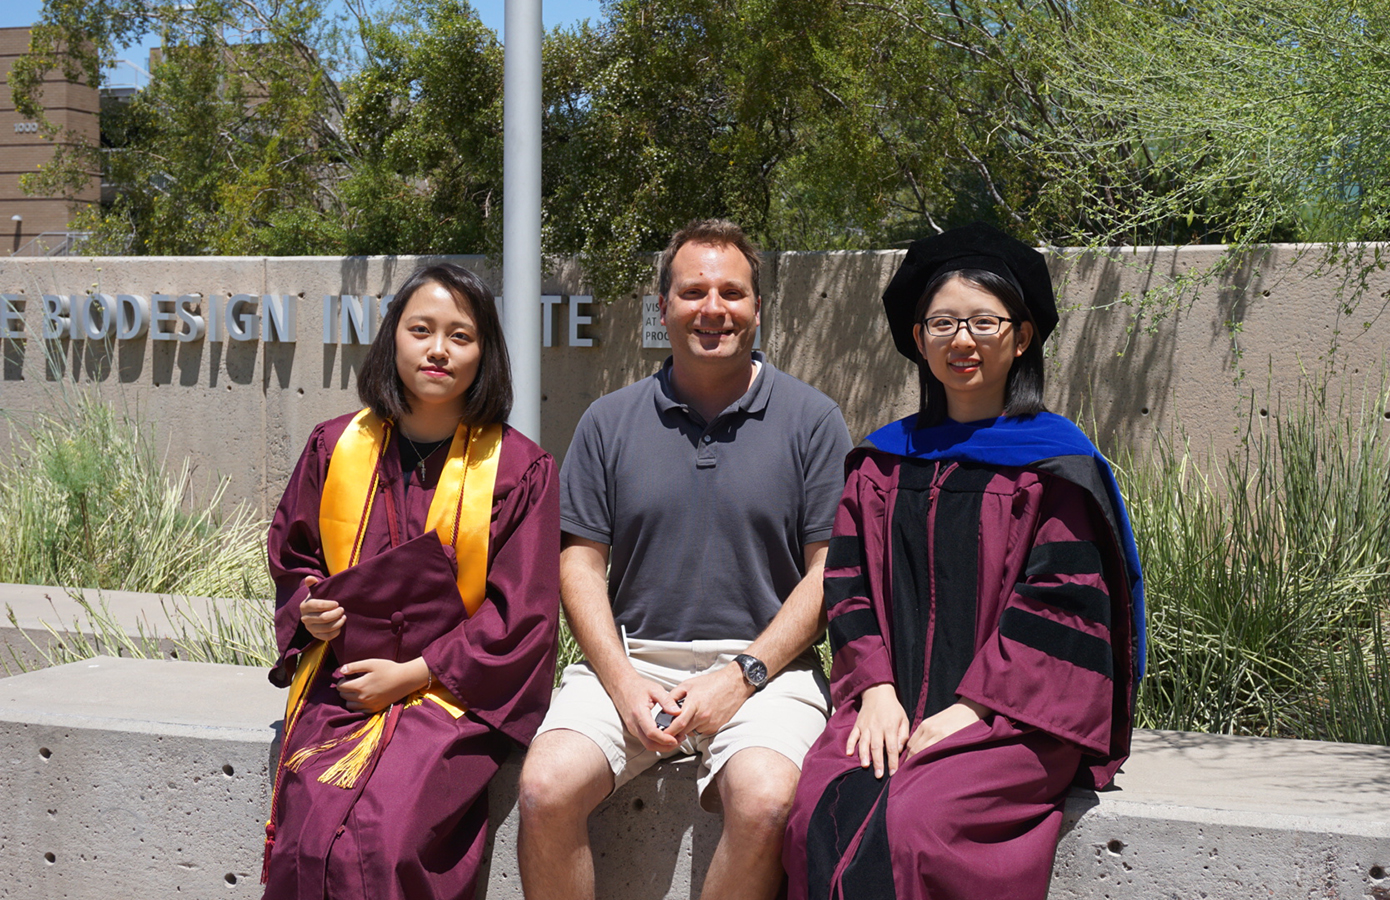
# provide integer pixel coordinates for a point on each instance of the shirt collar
(754, 399)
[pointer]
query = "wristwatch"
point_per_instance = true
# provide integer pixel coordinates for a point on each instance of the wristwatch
(754, 671)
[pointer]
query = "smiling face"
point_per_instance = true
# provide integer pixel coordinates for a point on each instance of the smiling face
(437, 350)
(973, 370)
(710, 312)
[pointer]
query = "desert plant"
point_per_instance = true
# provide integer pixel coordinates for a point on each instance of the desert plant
(1267, 579)
(85, 500)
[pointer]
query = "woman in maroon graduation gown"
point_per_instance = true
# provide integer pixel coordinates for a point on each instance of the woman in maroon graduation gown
(415, 556)
(985, 607)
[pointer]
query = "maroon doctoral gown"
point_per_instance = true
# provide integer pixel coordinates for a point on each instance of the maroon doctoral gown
(414, 824)
(996, 584)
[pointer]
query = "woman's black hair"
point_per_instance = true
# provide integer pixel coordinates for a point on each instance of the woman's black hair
(489, 398)
(1023, 391)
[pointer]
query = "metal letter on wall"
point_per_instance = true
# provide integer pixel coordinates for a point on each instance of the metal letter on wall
(278, 318)
(355, 320)
(55, 316)
(242, 326)
(91, 329)
(548, 304)
(576, 320)
(132, 316)
(183, 308)
(11, 316)
(330, 309)
(158, 316)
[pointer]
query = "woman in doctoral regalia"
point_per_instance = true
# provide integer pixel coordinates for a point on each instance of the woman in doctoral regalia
(985, 607)
(415, 557)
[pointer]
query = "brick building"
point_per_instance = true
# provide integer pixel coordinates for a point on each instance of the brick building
(34, 226)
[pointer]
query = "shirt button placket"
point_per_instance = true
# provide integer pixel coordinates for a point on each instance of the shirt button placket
(705, 456)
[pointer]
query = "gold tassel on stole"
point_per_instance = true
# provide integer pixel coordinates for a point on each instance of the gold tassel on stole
(345, 772)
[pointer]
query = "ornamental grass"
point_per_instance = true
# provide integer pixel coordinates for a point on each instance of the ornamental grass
(1268, 575)
(87, 502)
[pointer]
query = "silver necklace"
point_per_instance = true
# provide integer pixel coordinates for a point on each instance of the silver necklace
(423, 458)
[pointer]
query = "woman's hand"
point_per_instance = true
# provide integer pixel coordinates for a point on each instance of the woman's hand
(371, 685)
(879, 730)
(945, 723)
(323, 618)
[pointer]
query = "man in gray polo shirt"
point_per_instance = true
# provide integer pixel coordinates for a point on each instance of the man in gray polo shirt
(696, 506)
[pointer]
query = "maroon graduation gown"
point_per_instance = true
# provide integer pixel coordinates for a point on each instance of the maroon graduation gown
(999, 585)
(415, 824)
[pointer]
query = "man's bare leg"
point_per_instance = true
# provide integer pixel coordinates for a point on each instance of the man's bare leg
(564, 778)
(756, 786)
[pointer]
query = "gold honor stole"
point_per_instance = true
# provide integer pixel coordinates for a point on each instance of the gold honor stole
(460, 513)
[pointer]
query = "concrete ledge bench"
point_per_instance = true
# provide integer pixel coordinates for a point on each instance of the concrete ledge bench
(45, 615)
(148, 778)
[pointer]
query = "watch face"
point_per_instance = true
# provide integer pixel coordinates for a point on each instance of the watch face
(754, 670)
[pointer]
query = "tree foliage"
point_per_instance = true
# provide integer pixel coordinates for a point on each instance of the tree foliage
(425, 113)
(1253, 121)
(830, 124)
(238, 126)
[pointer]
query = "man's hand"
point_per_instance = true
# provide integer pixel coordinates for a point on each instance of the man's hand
(636, 699)
(709, 701)
(371, 685)
(880, 730)
(323, 618)
(945, 723)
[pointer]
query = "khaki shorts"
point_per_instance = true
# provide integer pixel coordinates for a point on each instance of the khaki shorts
(787, 715)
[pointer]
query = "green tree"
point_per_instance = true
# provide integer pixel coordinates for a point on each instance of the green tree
(672, 110)
(425, 112)
(1247, 122)
(237, 126)
(841, 124)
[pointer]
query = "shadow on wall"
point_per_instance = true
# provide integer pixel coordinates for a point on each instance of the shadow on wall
(1103, 372)
(825, 325)
(1117, 365)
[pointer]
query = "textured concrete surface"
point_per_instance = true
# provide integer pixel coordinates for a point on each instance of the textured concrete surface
(124, 778)
(1198, 816)
(651, 839)
(1233, 354)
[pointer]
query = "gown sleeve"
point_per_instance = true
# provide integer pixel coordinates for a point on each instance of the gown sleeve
(1050, 661)
(500, 662)
(295, 551)
(854, 599)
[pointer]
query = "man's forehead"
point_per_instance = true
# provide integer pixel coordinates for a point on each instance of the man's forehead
(701, 261)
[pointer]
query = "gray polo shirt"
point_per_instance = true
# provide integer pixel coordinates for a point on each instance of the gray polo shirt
(707, 522)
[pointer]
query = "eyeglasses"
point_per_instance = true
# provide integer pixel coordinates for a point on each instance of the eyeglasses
(979, 326)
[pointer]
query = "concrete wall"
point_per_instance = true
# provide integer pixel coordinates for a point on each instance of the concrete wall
(243, 409)
(125, 778)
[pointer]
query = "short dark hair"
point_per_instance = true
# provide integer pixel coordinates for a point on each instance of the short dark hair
(489, 398)
(719, 232)
(1023, 391)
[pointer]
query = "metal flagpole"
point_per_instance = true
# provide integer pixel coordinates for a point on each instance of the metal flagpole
(521, 209)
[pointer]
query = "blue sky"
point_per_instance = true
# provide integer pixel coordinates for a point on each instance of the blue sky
(492, 12)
